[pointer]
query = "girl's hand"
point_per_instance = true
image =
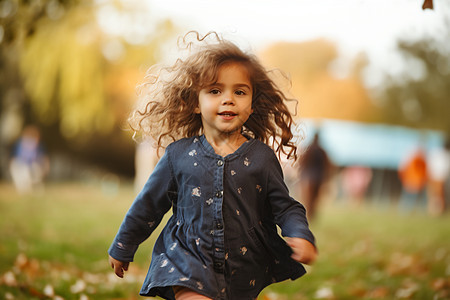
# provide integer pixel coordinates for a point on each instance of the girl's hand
(118, 266)
(304, 251)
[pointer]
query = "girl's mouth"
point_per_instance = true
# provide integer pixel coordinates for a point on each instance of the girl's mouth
(227, 114)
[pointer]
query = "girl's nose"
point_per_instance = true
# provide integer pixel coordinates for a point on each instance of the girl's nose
(228, 99)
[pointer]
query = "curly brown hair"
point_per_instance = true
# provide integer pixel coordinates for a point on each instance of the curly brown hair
(170, 97)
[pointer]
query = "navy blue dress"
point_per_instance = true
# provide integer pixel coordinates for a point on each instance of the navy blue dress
(221, 240)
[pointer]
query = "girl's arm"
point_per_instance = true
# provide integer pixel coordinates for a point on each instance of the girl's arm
(288, 213)
(145, 213)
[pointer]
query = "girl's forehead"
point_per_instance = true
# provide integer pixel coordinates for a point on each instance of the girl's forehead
(238, 69)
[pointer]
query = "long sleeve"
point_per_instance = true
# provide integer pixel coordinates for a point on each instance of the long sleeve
(146, 212)
(288, 213)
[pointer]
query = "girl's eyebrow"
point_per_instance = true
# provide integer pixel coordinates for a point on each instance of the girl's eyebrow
(243, 85)
(235, 85)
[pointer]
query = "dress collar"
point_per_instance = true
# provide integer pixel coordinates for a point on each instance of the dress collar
(210, 150)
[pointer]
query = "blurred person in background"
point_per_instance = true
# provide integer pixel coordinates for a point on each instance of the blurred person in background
(29, 164)
(314, 171)
(413, 177)
(439, 172)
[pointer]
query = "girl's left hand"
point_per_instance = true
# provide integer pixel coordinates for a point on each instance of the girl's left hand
(304, 251)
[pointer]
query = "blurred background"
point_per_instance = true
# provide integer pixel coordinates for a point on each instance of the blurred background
(372, 80)
(380, 71)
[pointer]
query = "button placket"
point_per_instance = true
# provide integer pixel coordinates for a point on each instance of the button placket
(218, 237)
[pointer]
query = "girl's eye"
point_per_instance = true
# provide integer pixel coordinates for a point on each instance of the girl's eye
(214, 91)
(240, 93)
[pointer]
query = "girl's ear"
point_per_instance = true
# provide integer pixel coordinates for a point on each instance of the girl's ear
(197, 110)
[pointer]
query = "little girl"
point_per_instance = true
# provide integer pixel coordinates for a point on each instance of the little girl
(226, 121)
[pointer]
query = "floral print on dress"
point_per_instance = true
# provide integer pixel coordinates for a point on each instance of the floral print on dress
(246, 162)
(243, 250)
(259, 188)
(209, 201)
(196, 192)
(193, 152)
(233, 172)
(164, 263)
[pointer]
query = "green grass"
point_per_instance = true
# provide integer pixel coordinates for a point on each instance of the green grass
(58, 240)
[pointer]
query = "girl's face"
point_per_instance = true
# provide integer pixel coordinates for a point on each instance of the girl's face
(226, 105)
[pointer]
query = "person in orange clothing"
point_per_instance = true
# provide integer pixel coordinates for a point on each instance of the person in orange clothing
(413, 176)
(439, 172)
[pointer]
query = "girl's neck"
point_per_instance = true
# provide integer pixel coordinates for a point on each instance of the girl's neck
(225, 144)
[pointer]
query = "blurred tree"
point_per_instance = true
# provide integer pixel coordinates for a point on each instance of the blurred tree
(63, 71)
(420, 97)
(325, 84)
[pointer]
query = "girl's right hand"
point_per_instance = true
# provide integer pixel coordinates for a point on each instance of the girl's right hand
(118, 266)
(303, 251)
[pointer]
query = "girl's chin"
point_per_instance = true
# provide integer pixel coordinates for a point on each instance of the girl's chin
(230, 131)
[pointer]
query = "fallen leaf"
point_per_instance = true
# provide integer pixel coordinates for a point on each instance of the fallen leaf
(405, 264)
(84, 297)
(9, 279)
(35, 292)
(440, 284)
(78, 287)
(324, 293)
(49, 291)
(407, 290)
(273, 296)
(9, 296)
(378, 293)
(21, 261)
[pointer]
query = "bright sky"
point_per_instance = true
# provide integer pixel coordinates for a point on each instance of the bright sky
(354, 23)
(372, 26)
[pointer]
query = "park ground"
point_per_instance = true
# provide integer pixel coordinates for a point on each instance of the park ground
(53, 245)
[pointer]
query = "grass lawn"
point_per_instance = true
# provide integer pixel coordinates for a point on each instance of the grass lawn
(53, 246)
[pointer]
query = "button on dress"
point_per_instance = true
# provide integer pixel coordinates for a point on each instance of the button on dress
(221, 240)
